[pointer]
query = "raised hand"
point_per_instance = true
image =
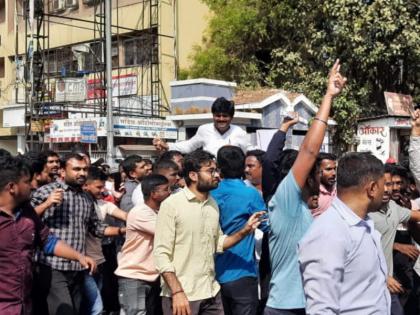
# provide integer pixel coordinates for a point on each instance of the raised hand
(336, 81)
(160, 144)
(289, 121)
(415, 122)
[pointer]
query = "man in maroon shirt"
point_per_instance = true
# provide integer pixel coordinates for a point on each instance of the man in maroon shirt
(21, 231)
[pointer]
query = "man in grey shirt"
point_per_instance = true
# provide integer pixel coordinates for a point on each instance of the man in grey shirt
(386, 221)
(135, 169)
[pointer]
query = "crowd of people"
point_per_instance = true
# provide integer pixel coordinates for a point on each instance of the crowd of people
(213, 226)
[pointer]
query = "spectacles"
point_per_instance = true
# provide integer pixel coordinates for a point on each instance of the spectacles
(212, 172)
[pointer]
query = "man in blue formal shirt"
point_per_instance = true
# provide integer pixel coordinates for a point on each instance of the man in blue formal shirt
(341, 258)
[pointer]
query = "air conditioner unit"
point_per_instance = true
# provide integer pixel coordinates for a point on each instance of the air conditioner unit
(84, 48)
(72, 4)
(59, 5)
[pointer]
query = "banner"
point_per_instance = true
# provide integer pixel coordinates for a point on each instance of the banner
(122, 85)
(70, 90)
(69, 130)
(398, 104)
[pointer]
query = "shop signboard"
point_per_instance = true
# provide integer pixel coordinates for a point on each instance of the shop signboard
(69, 130)
(144, 128)
(88, 132)
(398, 104)
(122, 85)
(374, 138)
(70, 90)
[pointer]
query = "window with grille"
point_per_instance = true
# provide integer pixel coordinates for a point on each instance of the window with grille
(140, 49)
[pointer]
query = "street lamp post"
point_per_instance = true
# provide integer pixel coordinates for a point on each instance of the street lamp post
(110, 151)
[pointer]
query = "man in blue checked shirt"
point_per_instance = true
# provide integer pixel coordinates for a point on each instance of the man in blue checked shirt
(236, 268)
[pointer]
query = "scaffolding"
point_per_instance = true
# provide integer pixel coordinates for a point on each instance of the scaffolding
(46, 67)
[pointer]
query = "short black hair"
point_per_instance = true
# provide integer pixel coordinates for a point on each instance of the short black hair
(325, 156)
(70, 156)
(194, 161)
(410, 178)
(148, 161)
(164, 164)
(129, 163)
(149, 184)
(95, 173)
(47, 153)
(283, 164)
(169, 155)
(231, 161)
(399, 170)
(4, 153)
(222, 105)
(79, 149)
(356, 168)
(259, 155)
(35, 161)
(12, 169)
(388, 168)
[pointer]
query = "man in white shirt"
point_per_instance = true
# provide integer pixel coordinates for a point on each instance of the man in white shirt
(211, 137)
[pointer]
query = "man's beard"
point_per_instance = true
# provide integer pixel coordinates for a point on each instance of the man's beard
(203, 186)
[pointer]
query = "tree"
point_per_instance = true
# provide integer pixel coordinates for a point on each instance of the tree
(292, 43)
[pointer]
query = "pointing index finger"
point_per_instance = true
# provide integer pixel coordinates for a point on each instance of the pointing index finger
(336, 66)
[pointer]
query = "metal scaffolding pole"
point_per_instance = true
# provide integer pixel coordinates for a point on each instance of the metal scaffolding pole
(110, 151)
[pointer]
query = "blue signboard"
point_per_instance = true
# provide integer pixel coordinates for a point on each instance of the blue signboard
(88, 132)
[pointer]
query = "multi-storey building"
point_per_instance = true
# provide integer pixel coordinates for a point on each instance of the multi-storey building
(52, 66)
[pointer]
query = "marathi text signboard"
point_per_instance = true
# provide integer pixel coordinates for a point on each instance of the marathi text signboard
(375, 139)
(398, 104)
(144, 128)
(70, 90)
(69, 130)
(88, 132)
(122, 85)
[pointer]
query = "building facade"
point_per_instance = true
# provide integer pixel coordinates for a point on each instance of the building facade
(52, 65)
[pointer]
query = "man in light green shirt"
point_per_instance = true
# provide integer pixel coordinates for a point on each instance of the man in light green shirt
(187, 237)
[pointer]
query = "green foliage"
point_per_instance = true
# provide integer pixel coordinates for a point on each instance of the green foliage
(291, 44)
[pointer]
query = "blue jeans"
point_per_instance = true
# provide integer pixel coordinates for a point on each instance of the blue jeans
(92, 300)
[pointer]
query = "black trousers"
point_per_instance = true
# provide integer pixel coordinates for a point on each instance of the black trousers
(109, 289)
(240, 297)
(210, 306)
(275, 311)
(63, 290)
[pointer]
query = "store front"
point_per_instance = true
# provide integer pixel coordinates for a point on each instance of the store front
(385, 136)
